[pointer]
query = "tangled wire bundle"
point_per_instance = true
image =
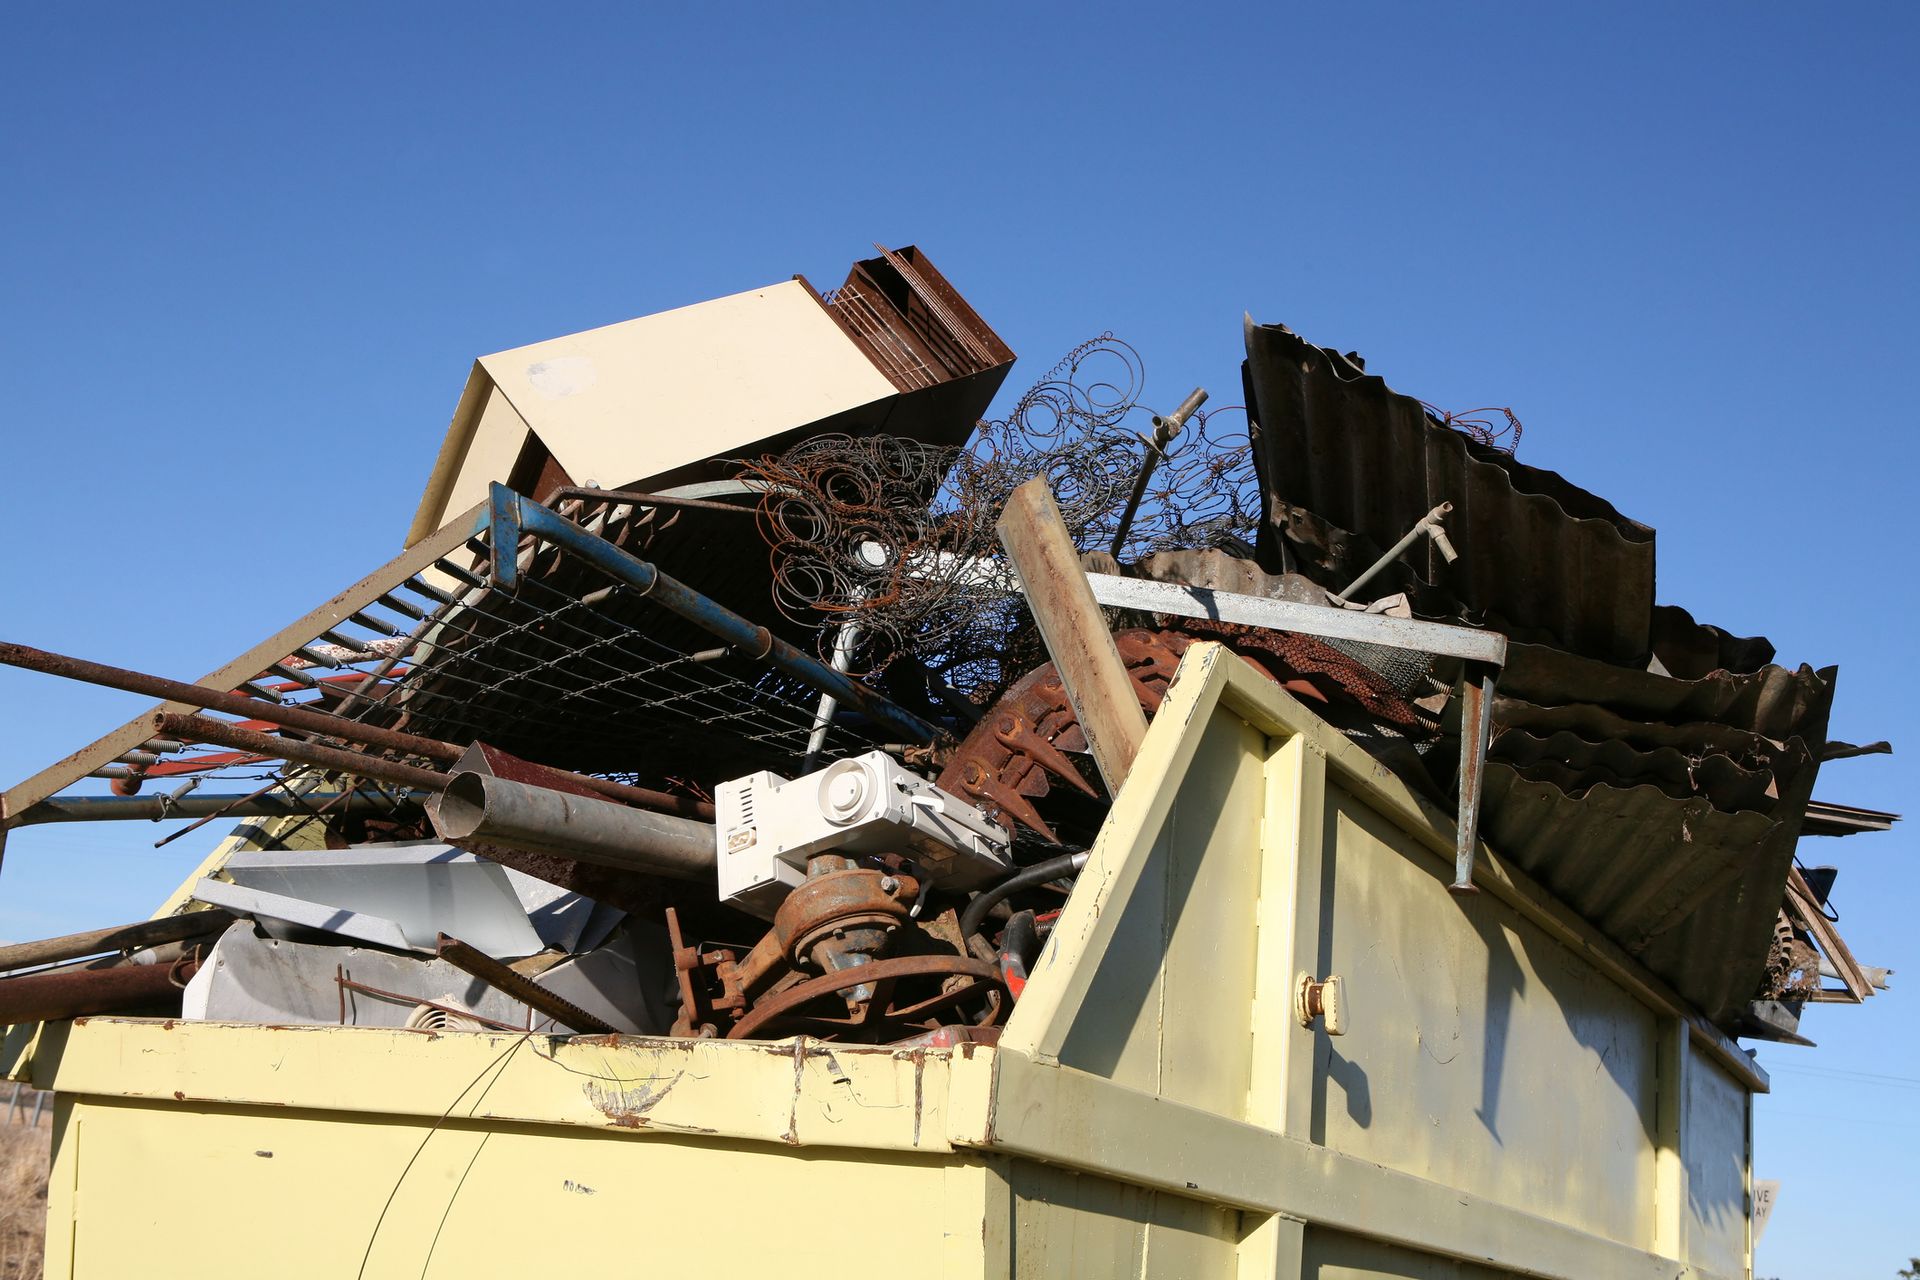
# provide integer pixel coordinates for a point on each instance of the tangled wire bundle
(895, 537)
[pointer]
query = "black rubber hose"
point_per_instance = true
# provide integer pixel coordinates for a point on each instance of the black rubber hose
(1037, 874)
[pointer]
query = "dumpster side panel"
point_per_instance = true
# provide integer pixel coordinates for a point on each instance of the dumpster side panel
(385, 1196)
(1480, 1053)
(1335, 1255)
(1066, 1223)
(1714, 1144)
(1185, 929)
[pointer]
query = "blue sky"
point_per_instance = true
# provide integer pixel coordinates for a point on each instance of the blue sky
(250, 254)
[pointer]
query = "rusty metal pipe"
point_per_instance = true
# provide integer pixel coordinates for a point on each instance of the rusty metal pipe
(119, 937)
(304, 719)
(477, 807)
(163, 808)
(220, 733)
(55, 997)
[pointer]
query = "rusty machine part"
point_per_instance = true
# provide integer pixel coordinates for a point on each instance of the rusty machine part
(845, 959)
(1020, 747)
(827, 967)
(880, 1016)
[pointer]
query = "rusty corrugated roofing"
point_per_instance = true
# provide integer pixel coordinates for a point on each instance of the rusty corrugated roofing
(1538, 556)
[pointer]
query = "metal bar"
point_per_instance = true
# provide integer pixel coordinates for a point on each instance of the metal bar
(481, 809)
(287, 715)
(1164, 430)
(1428, 524)
(512, 516)
(55, 997)
(119, 937)
(63, 773)
(201, 729)
(1307, 619)
(519, 986)
(1074, 629)
(843, 645)
(163, 808)
(618, 496)
(1476, 730)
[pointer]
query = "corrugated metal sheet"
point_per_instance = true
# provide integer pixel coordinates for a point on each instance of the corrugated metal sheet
(1651, 770)
(1774, 702)
(1537, 554)
(1689, 890)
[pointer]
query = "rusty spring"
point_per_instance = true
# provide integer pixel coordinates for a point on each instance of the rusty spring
(932, 512)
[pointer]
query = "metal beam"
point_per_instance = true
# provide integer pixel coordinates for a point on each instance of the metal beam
(128, 737)
(1307, 619)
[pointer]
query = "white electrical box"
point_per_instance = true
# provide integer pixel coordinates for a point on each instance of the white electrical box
(768, 827)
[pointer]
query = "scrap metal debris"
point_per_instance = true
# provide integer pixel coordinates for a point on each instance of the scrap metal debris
(773, 740)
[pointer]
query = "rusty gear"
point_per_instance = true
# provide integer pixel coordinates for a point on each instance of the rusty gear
(1020, 747)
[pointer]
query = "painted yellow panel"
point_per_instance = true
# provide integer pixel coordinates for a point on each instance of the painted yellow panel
(1075, 1224)
(1480, 1053)
(1153, 1107)
(1178, 967)
(1333, 1255)
(322, 1195)
(1714, 1149)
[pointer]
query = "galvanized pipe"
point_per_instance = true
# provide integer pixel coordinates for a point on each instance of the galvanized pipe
(304, 719)
(162, 808)
(482, 809)
(1428, 526)
(218, 732)
(513, 515)
(1164, 430)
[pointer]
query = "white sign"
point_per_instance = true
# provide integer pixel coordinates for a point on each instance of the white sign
(1765, 1192)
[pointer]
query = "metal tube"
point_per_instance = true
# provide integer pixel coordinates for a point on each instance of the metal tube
(119, 937)
(481, 809)
(201, 729)
(514, 515)
(1429, 525)
(195, 695)
(161, 808)
(843, 646)
(55, 997)
(1164, 430)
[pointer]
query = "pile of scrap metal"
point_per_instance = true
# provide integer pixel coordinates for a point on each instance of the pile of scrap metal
(704, 701)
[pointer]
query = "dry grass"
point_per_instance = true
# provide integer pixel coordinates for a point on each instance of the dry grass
(24, 1153)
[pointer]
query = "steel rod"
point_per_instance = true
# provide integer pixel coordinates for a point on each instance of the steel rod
(1164, 430)
(201, 729)
(197, 695)
(161, 808)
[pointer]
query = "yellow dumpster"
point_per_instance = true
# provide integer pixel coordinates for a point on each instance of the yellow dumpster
(1508, 1093)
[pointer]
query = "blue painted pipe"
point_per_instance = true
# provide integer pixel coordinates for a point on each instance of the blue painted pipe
(512, 515)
